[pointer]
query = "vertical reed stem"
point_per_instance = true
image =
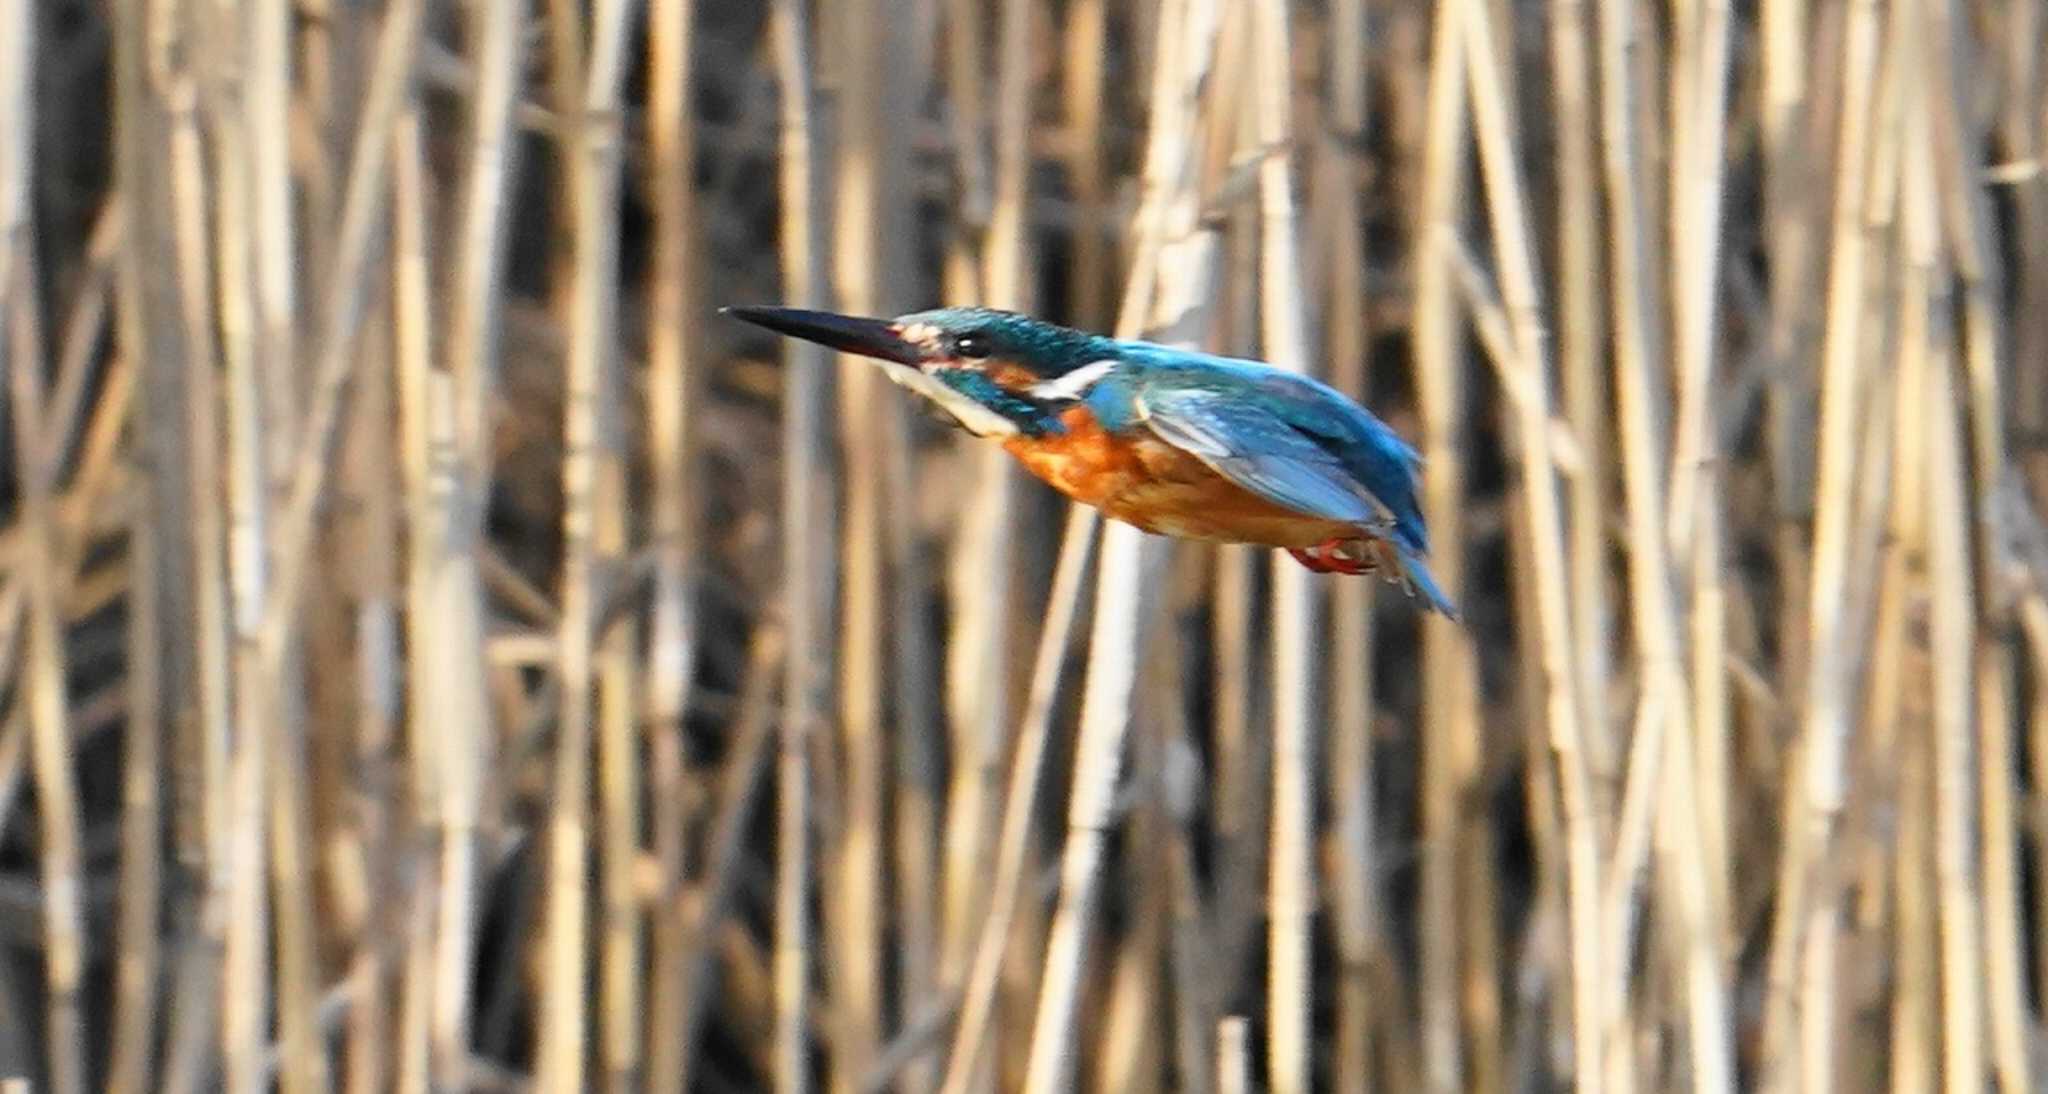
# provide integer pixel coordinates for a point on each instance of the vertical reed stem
(1515, 252)
(1296, 619)
(804, 273)
(671, 428)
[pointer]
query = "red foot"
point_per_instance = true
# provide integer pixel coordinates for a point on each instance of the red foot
(1337, 556)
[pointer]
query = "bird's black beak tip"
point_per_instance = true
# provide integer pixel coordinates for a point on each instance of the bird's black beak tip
(749, 313)
(846, 333)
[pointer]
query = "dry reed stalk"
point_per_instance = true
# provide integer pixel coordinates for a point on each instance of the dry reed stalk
(418, 408)
(273, 401)
(1791, 202)
(1240, 780)
(247, 982)
(917, 737)
(1354, 860)
(966, 88)
(671, 429)
(1951, 726)
(1007, 258)
(159, 670)
(77, 358)
(1514, 251)
(976, 556)
(1449, 710)
(1894, 664)
(142, 855)
(591, 532)
(1243, 783)
(988, 264)
(412, 1046)
(1233, 1056)
(1125, 1049)
(1997, 824)
(1027, 765)
(562, 24)
(2033, 618)
(268, 105)
(1085, 72)
(1886, 536)
(1296, 620)
(1801, 935)
(12, 749)
(202, 979)
(1695, 500)
(370, 892)
(1634, 817)
(620, 790)
(2019, 141)
(1478, 930)
(619, 779)
(322, 98)
(1958, 899)
(989, 551)
(804, 277)
(1911, 1030)
(908, 75)
(1969, 228)
(426, 432)
(446, 517)
(43, 669)
(709, 899)
(1696, 937)
(1354, 865)
(1581, 337)
(263, 652)
(1194, 995)
(340, 312)
(1165, 288)
(854, 911)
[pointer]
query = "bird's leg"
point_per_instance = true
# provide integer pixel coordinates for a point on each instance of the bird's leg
(1331, 557)
(1308, 557)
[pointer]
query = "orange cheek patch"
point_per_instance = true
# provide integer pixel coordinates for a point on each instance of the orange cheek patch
(1009, 375)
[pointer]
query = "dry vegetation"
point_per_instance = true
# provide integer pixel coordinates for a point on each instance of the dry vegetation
(439, 653)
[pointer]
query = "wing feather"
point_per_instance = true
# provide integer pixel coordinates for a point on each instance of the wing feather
(1258, 450)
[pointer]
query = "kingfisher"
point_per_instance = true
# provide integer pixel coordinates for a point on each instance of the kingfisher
(1175, 442)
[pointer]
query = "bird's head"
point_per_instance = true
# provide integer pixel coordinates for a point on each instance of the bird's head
(996, 372)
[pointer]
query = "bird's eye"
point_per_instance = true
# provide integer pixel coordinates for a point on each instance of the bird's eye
(971, 344)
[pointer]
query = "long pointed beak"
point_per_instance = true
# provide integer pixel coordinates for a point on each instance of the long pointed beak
(846, 333)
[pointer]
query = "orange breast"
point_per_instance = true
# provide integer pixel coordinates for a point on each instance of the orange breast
(1159, 488)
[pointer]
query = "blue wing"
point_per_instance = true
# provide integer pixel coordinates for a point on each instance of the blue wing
(1302, 446)
(1371, 455)
(1258, 450)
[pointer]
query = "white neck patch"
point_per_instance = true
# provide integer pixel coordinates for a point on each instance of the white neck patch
(1074, 384)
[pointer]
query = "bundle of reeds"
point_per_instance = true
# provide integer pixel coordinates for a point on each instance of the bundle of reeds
(413, 597)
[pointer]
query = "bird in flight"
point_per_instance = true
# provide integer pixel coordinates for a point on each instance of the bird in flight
(1174, 442)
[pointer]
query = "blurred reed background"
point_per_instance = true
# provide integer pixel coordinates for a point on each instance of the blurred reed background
(440, 653)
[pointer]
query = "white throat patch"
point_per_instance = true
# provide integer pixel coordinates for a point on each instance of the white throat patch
(1074, 384)
(976, 418)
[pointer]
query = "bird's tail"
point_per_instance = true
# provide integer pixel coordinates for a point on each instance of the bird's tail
(1415, 574)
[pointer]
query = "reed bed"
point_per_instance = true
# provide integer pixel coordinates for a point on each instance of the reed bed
(438, 652)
